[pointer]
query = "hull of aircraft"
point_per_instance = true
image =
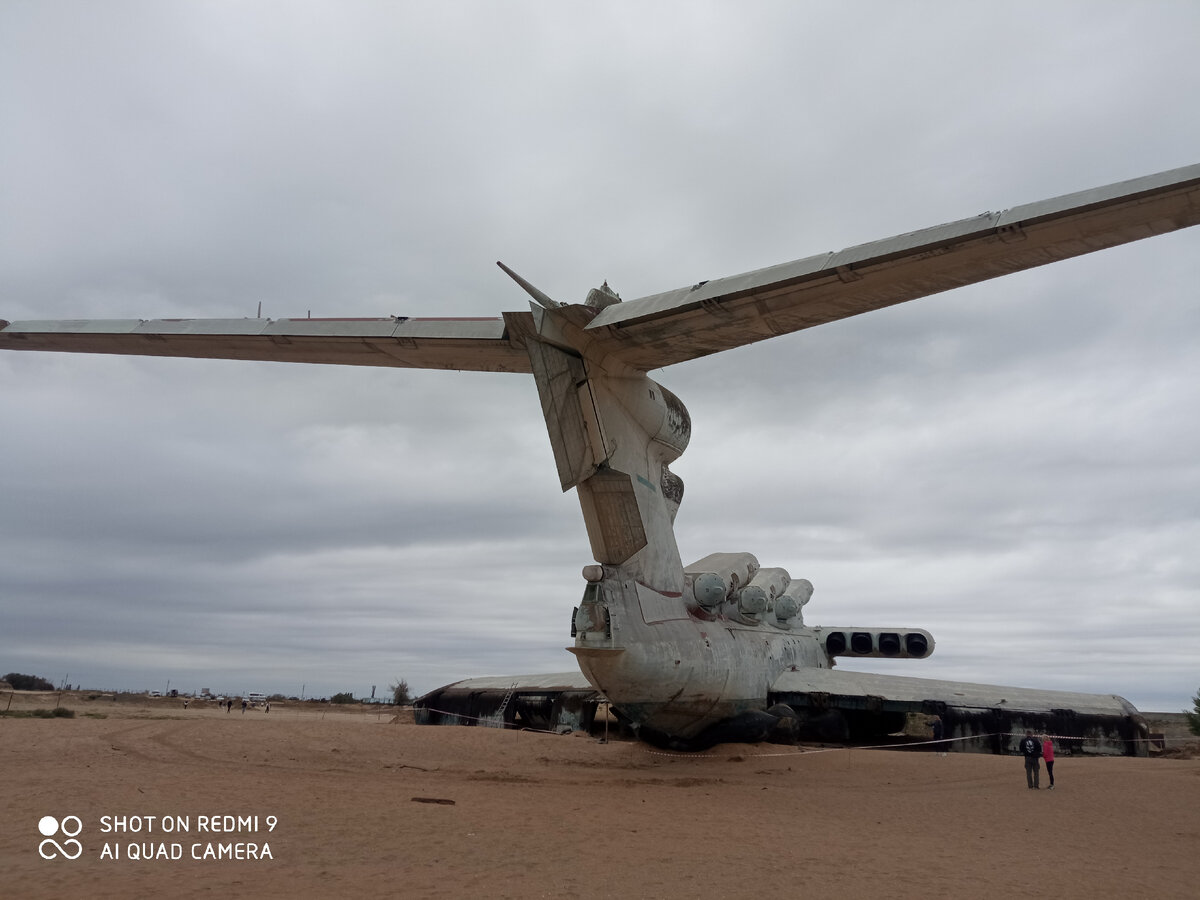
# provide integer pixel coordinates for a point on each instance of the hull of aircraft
(825, 706)
(684, 678)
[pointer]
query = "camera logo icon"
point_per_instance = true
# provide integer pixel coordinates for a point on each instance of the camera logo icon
(70, 827)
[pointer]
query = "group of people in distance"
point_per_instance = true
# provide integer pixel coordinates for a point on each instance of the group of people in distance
(1033, 749)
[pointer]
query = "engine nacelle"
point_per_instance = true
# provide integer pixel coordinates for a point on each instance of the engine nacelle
(752, 601)
(734, 585)
(789, 604)
(881, 643)
(719, 576)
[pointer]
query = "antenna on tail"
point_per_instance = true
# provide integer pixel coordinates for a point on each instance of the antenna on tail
(542, 299)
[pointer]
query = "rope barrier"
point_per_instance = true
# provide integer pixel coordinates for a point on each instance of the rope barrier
(808, 751)
(907, 744)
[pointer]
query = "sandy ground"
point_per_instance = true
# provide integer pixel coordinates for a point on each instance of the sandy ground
(535, 815)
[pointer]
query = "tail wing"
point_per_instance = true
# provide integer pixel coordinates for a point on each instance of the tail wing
(482, 345)
(716, 315)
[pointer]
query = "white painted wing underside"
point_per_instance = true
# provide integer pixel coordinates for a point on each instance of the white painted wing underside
(690, 322)
(730, 312)
(464, 344)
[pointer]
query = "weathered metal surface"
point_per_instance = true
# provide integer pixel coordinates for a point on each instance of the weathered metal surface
(965, 695)
(464, 344)
(559, 702)
(567, 408)
(726, 312)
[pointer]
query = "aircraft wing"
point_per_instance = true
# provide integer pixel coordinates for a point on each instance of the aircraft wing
(481, 345)
(553, 681)
(716, 315)
(838, 688)
(561, 701)
(690, 322)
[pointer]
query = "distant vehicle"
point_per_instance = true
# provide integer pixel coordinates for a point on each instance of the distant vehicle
(255, 698)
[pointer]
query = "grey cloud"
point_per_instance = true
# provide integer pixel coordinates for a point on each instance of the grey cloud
(1009, 465)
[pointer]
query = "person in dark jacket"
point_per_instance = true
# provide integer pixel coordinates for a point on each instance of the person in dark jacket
(1031, 749)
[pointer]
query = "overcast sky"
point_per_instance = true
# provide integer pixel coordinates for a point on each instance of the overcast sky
(1014, 466)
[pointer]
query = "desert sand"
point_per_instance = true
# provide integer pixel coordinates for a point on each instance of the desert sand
(366, 804)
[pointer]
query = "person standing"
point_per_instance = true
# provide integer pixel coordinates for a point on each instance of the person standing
(1048, 756)
(1031, 749)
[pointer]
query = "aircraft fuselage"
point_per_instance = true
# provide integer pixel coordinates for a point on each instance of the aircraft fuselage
(674, 669)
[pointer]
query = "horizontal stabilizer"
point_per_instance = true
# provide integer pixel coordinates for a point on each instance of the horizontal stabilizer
(722, 313)
(480, 345)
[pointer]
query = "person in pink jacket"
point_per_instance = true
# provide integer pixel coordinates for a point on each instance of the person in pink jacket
(1048, 756)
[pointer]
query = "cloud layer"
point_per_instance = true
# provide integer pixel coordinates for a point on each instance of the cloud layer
(1012, 466)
